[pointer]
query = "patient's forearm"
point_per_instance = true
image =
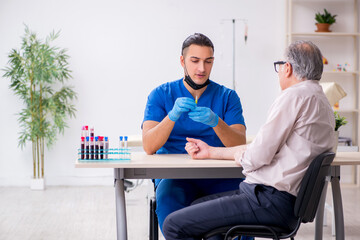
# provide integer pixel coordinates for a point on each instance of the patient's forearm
(225, 153)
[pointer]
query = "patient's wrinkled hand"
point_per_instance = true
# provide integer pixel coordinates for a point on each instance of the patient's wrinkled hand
(191, 148)
(197, 149)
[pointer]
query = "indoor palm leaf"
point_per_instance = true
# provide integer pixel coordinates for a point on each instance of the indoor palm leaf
(37, 73)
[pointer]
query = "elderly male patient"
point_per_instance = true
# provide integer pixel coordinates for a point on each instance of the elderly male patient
(300, 126)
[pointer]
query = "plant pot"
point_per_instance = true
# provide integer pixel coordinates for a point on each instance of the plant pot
(37, 184)
(322, 27)
(336, 140)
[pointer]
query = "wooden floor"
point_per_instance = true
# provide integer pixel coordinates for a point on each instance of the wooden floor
(89, 213)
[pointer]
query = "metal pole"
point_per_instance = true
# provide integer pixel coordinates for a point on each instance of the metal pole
(338, 207)
(121, 225)
(319, 220)
(233, 21)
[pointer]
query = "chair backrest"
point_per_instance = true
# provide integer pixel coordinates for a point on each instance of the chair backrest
(312, 186)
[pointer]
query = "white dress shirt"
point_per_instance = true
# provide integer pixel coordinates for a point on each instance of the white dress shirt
(300, 126)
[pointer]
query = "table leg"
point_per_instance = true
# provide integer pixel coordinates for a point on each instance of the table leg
(319, 218)
(337, 201)
(121, 225)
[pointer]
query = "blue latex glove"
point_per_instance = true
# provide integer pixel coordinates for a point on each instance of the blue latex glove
(204, 115)
(181, 105)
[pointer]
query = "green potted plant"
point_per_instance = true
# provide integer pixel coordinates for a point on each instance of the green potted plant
(339, 121)
(37, 73)
(324, 20)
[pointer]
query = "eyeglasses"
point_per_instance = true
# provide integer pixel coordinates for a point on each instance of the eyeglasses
(277, 64)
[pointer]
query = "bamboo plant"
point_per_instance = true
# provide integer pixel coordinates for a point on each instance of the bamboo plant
(38, 73)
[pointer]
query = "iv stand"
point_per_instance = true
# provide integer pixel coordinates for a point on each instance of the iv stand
(233, 20)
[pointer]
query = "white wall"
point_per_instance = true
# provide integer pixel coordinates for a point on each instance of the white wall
(120, 51)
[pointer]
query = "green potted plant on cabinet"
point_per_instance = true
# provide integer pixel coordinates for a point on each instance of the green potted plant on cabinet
(339, 121)
(37, 73)
(324, 20)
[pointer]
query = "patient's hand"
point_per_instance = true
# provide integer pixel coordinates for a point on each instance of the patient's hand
(197, 149)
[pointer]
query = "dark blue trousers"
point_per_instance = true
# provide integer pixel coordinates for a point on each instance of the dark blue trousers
(251, 204)
(175, 194)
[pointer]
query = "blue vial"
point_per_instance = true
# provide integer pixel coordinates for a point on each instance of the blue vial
(87, 148)
(121, 147)
(106, 147)
(126, 149)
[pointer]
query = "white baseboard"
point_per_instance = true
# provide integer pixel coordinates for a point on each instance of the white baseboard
(60, 181)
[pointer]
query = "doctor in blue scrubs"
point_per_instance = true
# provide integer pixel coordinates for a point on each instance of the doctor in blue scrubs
(196, 107)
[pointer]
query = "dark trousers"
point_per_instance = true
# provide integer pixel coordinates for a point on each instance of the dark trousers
(175, 194)
(251, 204)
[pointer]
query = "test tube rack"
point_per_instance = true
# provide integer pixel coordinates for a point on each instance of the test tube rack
(110, 154)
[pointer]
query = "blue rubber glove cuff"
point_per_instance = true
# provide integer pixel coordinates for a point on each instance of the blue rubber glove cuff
(214, 121)
(174, 115)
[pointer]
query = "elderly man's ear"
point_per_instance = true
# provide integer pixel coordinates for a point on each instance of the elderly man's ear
(288, 70)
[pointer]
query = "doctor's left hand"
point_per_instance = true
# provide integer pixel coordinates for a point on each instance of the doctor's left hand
(204, 115)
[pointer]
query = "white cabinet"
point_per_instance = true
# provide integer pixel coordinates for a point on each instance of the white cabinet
(339, 47)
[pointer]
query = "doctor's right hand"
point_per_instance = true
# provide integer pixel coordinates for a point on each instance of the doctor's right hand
(183, 104)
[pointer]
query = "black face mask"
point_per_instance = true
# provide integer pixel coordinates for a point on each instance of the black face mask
(192, 84)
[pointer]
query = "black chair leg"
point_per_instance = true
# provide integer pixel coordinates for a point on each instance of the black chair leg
(153, 225)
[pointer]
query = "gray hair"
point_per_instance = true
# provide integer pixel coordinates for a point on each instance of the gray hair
(306, 60)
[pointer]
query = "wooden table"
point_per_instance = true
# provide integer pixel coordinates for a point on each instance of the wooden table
(144, 166)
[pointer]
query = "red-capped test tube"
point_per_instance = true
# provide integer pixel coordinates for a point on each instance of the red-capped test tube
(82, 147)
(92, 148)
(86, 131)
(101, 147)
